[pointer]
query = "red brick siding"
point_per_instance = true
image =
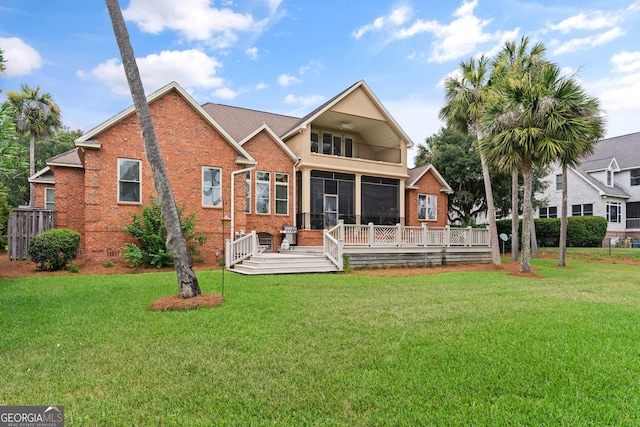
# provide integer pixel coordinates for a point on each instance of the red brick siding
(188, 142)
(271, 158)
(428, 184)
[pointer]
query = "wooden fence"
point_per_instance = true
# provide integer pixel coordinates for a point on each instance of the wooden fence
(23, 225)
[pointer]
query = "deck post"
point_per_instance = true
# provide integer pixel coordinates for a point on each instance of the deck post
(398, 234)
(372, 236)
(254, 243)
(468, 237)
(424, 234)
(447, 236)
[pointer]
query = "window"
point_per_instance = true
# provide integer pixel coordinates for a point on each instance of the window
(427, 207)
(635, 177)
(609, 178)
(282, 194)
(247, 187)
(263, 193)
(49, 198)
(582, 210)
(613, 212)
(211, 187)
(129, 180)
(558, 182)
(332, 144)
(549, 212)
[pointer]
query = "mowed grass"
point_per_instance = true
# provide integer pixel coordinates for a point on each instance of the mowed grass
(483, 349)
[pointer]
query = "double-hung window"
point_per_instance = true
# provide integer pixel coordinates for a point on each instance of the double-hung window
(247, 187)
(282, 194)
(549, 212)
(427, 207)
(559, 182)
(49, 198)
(263, 192)
(582, 210)
(129, 180)
(211, 187)
(613, 212)
(635, 177)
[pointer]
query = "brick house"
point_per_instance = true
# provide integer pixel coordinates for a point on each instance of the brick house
(345, 160)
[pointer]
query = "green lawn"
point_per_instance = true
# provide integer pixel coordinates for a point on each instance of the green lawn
(482, 349)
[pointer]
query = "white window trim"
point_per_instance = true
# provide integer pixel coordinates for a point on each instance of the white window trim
(268, 212)
(248, 188)
(562, 182)
(610, 173)
(139, 181)
(202, 187)
(275, 195)
(618, 207)
(426, 206)
(47, 190)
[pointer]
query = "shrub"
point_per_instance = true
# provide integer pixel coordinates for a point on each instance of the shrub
(150, 231)
(582, 231)
(5, 214)
(53, 249)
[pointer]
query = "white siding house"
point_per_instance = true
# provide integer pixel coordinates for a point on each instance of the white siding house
(605, 184)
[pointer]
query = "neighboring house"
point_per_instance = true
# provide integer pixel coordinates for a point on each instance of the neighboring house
(346, 160)
(605, 184)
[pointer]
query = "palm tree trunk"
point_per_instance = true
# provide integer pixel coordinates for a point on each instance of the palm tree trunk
(176, 243)
(32, 168)
(534, 236)
(515, 218)
(525, 263)
(563, 221)
(491, 214)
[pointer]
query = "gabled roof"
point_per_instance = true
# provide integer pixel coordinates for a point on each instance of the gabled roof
(416, 173)
(240, 122)
(602, 189)
(273, 136)
(306, 120)
(87, 140)
(43, 176)
(624, 150)
(70, 159)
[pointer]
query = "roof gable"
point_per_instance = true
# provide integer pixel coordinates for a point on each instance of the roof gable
(272, 135)
(416, 174)
(240, 122)
(87, 140)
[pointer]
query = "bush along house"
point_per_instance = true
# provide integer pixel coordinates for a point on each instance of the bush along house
(336, 181)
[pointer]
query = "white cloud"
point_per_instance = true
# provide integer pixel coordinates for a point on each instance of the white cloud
(313, 66)
(262, 86)
(194, 19)
(288, 80)
(252, 52)
(586, 42)
(158, 70)
(304, 100)
(21, 59)
(395, 18)
(458, 38)
(225, 93)
(596, 21)
(626, 62)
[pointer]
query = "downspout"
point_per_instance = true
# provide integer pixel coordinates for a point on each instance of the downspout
(233, 198)
(295, 192)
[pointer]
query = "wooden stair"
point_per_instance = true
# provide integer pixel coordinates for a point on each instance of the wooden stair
(298, 260)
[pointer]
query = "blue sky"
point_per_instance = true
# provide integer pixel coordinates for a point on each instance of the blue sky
(288, 56)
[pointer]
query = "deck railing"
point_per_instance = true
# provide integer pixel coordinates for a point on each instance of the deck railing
(240, 249)
(333, 245)
(399, 235)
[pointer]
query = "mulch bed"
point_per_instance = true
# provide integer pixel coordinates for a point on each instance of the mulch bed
(174, 302)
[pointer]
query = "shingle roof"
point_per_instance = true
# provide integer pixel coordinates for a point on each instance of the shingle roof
(69, 158)
(625, 149)
(240, 122)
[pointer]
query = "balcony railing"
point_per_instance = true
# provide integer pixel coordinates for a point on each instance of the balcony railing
(359, 150)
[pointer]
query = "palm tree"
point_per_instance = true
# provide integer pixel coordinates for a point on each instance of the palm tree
(35, 113)
(465, 98)
(538, 118)
(513, 61)
(176, 243)
(581, 127)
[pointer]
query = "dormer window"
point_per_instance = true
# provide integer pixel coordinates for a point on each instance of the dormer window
(609, 178)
